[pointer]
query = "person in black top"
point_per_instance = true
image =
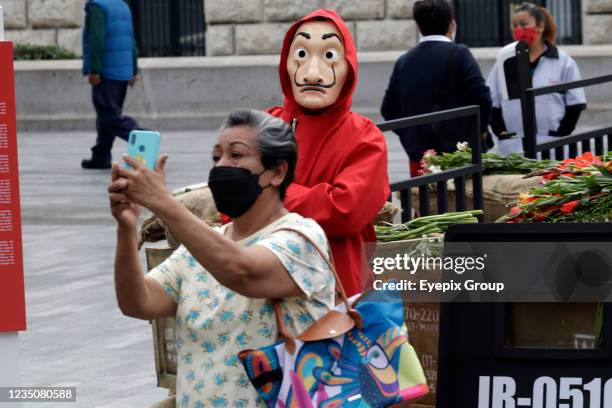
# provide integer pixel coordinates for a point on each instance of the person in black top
(435, 75)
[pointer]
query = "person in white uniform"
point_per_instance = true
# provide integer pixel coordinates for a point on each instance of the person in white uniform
(556, 114)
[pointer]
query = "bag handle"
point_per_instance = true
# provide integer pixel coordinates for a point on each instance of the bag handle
(352, 313)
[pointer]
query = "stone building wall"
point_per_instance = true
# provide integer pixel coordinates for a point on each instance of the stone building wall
(597, 22)
(44, 22)
(247, 27)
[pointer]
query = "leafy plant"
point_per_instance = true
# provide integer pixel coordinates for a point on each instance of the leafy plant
(423, 226)
(491, 163)
(42, 52)
(578, 194)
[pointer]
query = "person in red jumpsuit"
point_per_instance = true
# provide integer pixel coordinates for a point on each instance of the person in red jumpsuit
(341, 177)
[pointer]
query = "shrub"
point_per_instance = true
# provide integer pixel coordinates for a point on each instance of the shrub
(42, 52)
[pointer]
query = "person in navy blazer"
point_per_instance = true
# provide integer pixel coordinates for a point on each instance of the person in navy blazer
(435, 75)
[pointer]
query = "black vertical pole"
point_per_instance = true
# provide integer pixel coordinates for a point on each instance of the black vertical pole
(527, 100)
(175, 27)
(475, 131)
(203, 19)
(137, 22)
(577, 26)
(501, 8)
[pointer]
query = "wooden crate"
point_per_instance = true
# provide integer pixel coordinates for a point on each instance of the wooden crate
(163, 329)
(422, 319)
(498, 193)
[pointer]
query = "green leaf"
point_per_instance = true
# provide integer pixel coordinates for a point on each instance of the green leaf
(42, 52)
(604, 171)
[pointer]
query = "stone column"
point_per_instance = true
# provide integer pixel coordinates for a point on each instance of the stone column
(44, 22)
(598, 22)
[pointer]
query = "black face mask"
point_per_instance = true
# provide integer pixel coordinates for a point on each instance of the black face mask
(234, 189)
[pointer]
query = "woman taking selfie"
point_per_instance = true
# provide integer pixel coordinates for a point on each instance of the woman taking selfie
(220, 282)
(556, 113)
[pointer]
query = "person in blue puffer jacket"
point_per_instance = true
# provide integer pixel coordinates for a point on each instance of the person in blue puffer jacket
(110, 63)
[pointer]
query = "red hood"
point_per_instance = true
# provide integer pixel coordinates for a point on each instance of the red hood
(341, 175)
(345, 99)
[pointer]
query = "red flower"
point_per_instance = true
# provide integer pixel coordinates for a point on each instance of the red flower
(570, 206)
(515, 210)
(581, 162)
(541, 215)
(550, 176)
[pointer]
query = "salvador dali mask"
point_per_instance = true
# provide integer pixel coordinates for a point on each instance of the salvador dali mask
(316, 65)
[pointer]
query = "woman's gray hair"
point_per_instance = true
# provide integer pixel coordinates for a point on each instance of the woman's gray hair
(275, 140)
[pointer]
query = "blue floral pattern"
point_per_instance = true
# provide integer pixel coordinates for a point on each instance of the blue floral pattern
(214, 323)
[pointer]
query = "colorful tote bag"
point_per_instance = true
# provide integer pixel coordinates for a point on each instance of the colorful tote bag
(368, 363)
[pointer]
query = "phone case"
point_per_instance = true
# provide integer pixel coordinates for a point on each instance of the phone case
(143, 145)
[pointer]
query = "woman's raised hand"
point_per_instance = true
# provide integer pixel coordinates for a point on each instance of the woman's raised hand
(141, 185)
(125, 211)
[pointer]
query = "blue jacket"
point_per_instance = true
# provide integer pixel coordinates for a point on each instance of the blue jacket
(119, 42)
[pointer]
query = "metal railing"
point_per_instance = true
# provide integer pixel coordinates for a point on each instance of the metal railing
(169, 28)
(530, 128)
(458, 174)
(486, 23)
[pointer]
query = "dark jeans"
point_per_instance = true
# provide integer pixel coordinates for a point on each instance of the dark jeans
(108, 98)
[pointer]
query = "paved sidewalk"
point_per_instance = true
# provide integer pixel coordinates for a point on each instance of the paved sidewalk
(76, 335)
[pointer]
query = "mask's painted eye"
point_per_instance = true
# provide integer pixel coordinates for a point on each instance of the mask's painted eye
(332, 55)
(377, 357)
(300, 54)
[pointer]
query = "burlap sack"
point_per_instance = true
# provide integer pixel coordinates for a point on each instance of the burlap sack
(498, 193)
(198, 200)
(386, 214)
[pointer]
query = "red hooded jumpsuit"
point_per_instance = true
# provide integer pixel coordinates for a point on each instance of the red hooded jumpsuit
(341, 177)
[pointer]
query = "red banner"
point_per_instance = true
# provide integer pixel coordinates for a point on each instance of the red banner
(12, 297)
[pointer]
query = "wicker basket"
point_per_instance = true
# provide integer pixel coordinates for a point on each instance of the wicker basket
(163, 329)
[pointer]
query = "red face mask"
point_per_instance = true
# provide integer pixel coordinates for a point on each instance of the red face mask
(527, 34)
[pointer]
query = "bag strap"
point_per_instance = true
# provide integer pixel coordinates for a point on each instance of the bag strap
(330, 263)
(280, 317)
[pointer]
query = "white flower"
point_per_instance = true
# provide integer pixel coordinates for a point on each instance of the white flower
(463, 146)
(434, 169)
